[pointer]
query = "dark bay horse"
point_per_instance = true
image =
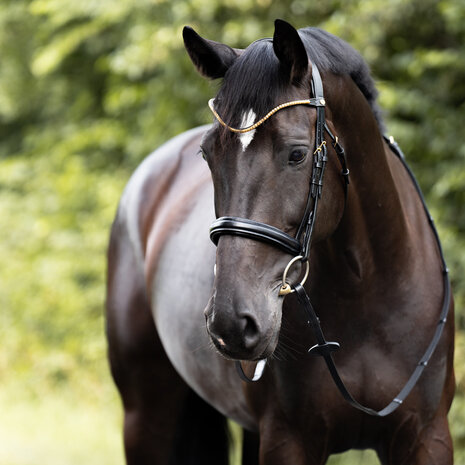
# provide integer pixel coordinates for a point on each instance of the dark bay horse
(180, 310)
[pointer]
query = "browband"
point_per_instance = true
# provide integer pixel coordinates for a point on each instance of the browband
(312, 102)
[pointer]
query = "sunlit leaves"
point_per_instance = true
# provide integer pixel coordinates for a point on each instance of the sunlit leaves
(51, 55)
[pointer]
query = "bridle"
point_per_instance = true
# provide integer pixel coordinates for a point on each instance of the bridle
(299, 246)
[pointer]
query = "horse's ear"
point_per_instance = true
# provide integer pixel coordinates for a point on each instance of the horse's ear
(211, 59)
(290, 50)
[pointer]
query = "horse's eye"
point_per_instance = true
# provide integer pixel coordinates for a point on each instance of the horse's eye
(298, 155)
(201, 152)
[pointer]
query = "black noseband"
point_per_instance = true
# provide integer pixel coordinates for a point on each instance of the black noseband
(254, 230)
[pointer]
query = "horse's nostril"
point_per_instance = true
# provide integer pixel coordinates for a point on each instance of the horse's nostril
(235, 333)
(251, 332)
(250, 327)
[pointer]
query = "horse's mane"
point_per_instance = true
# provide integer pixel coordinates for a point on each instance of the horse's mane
(255, 80)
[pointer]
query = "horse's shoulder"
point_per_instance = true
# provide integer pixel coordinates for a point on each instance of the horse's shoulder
(154, 167)
(166, 169)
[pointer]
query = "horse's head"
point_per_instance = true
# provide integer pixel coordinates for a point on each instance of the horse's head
(264, 175)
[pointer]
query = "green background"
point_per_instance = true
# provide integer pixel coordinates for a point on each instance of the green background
(90, 87)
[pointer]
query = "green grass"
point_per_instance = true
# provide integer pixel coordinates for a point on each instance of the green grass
(62, 430)
(69, 425)
(59, 429)
(354, 457)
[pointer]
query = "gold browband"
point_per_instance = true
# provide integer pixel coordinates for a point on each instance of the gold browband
(258, 123)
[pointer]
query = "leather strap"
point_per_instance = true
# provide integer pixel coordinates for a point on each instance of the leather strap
(262, 232)
(320, 158)
(324, 348)
(341, 154)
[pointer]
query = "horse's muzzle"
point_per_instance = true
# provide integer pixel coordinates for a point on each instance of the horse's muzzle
(237, 334)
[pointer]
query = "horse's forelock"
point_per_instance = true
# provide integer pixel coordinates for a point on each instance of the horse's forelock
(253, 83)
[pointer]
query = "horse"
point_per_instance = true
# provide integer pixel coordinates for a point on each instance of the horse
(190, 320)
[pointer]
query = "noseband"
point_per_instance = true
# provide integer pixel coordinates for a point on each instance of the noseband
(299, 246)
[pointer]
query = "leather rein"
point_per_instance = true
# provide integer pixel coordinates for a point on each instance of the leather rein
(299, 246)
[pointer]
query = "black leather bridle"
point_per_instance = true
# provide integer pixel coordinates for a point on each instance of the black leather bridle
(300, 245)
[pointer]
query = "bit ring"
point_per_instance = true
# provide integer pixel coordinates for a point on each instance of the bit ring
(286, 288)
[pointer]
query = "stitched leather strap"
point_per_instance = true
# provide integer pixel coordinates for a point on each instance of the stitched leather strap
(325, 349)
(262, 232)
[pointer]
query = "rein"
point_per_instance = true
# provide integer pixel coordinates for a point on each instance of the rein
(300, 246)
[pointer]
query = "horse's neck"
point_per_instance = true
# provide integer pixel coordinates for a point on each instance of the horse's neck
(375, 224)
(383, 223)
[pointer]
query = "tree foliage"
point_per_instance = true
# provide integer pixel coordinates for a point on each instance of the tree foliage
(88, 88)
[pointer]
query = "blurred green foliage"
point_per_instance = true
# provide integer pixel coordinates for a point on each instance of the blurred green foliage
(88, 88)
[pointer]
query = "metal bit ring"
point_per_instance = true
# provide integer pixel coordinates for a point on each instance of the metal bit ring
(286, 288)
